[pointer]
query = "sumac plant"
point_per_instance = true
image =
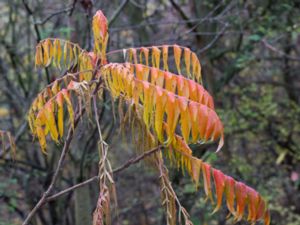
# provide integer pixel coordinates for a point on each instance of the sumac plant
(170, 108)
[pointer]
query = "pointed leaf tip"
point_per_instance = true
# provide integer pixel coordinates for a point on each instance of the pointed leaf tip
(219, 179)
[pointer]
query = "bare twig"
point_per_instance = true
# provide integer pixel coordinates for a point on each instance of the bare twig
(279, 52)
(117, 12)
(54, 14)
(115, 171)
(214, 40)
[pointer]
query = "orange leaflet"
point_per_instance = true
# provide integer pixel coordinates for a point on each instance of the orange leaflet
(253, 201)
(172, 111)
(100, 25)
(170, 82)
(184, 118)
(203, 118)
(229, 190)
(165, 49)
(193, 109)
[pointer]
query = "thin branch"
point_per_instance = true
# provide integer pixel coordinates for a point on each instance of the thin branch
(55, 176)
(115, 171)
(54, 14)
(73, 7)
(117, 12)
(214, 40)
(281, 53)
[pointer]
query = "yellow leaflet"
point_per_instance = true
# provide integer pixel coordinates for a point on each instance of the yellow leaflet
(58, 53)
(145, 73)
(51, 49)
(196, 169)
(136, 91)
(42, 139)
(38, 55)
(120, 79)
(165, 57)
(114, 84)
(30, 119)
(187, 61)
(71, 54)
(50, 120)
(40, 101)
(103, 52)
(89, 66)
(160, 79)
(170, 82)
(155, 57)
(172, 111)
(76, 53)
(145, 51)
(159, 113)
(177, 56)
(60, 114)
(54, 52)
(196, 68)
(55, 87)
(65, 53)
(139, 71)
(46, 53)
(132, 56)
(185, 119)
(69, 106)
(148, 103)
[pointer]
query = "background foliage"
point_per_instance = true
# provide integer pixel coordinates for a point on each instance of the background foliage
(249, 52)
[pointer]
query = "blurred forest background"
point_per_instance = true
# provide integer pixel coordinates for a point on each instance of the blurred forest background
(250, 55)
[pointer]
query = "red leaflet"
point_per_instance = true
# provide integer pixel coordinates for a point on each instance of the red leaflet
(203, 118)
(253, 198)
(206, 177)
(241, 197)
(219, 179)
